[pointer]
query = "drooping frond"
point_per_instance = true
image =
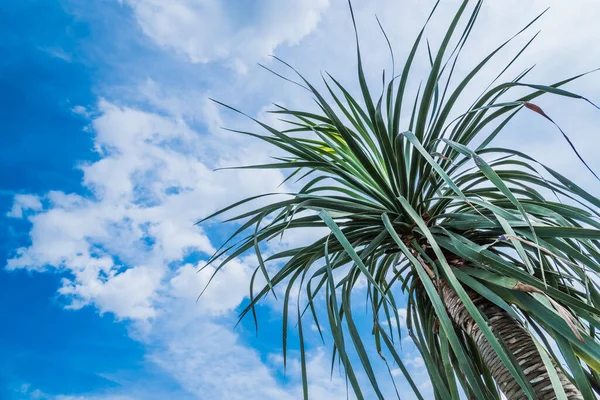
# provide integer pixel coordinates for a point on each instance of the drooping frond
(433, 200)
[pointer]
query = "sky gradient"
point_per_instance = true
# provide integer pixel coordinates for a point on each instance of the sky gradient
(108, 145)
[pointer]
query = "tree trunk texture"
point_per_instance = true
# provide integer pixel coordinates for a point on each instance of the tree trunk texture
(519, 342)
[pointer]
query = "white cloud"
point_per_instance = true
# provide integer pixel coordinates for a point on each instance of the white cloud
(154, 180)
(23, 203)
(213, 30)
(415, 362)
(208, 362)
(128, 294)
(57, 52)
(402, 317)
(321, 385)
(231, 280)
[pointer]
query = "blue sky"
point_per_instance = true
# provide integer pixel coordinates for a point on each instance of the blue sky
(107, 150)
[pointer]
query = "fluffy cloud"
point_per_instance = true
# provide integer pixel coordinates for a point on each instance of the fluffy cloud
(233, 279)
(23, 203)
(153, 180)
(214, 364)
(216, 30)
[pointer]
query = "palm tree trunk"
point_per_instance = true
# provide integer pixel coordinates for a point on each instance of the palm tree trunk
(519, 342)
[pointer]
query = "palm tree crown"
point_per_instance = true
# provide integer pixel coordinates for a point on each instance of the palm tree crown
(489, 246)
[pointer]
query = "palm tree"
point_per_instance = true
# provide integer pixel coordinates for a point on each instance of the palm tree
(497, 254)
